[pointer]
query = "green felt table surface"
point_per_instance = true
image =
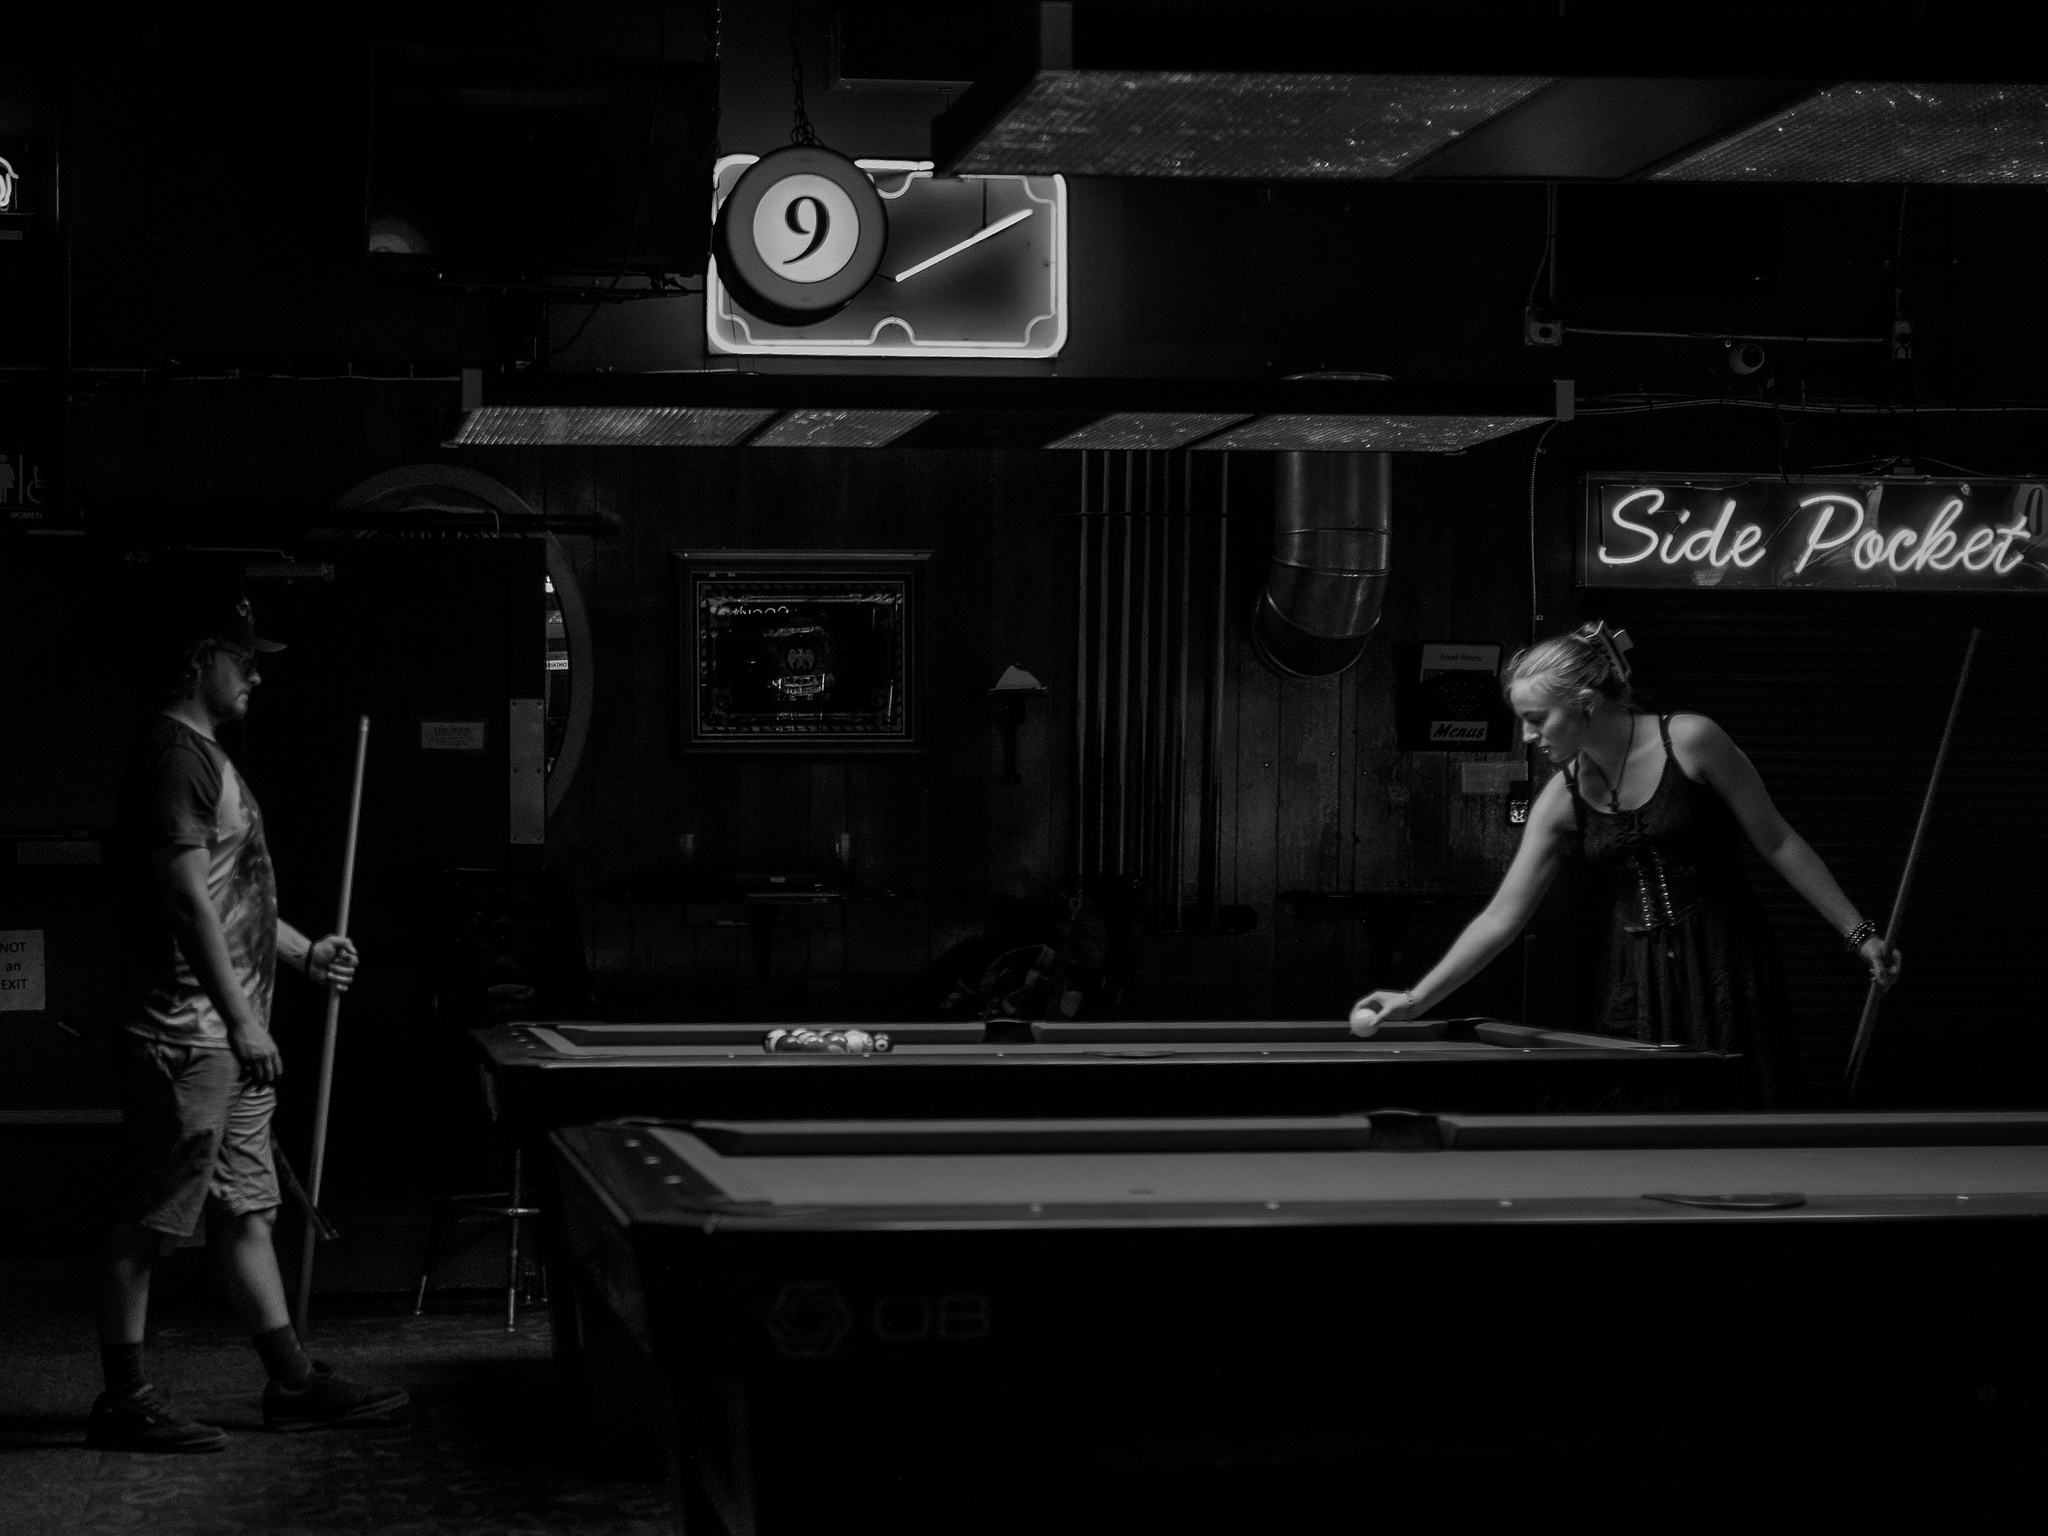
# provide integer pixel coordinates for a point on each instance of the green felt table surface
(1243, 1178)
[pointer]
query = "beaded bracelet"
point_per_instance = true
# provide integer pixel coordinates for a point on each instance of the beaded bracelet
(1860, 935)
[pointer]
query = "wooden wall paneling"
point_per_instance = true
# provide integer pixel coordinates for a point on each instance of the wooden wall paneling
(1185, 774)
(1351, 755)
(1308, 948)
(1345, 780)
(1257, 838)
(1479, 843)
(1255, 767)
(1308, 848)
(1380, 792)
(1144, 689)
(826, 941)
(1082, 674)
(1123, 554)
(1096, 776)
(1429, 776)
(1214, 864)
(1032, 621)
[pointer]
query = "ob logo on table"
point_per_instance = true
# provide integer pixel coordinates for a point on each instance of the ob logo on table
(809, 1320)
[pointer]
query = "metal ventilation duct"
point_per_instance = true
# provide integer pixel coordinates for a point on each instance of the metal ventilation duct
(1331, 533)
(1246, 126)
(1967, 134)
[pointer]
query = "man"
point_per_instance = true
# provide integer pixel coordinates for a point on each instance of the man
(201, 939)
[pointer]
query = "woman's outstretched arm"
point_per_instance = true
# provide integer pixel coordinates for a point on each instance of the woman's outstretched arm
(1542, 850)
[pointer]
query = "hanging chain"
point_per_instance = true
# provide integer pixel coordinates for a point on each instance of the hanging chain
(801, 131)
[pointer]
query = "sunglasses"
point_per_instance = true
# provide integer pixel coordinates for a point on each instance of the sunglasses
(246, 660)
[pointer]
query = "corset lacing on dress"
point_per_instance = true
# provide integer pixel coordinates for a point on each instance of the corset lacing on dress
(1656, 891)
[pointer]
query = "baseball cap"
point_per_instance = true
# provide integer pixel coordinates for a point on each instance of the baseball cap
(204, 614)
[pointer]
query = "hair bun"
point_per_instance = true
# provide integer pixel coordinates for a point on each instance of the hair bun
(1611, 643)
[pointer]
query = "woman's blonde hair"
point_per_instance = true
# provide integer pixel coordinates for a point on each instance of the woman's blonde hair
(1575, 669)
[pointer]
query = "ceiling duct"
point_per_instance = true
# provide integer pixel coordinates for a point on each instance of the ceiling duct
(1331, 533)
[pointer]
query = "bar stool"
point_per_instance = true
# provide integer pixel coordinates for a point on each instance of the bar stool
(508, 946)
(507, 1206)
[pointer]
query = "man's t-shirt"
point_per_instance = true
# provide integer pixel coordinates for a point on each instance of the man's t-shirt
(180, 791)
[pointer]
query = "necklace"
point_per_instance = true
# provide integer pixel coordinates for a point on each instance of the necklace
(1614, 784)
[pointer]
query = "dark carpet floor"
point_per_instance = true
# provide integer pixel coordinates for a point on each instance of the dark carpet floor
(477, 1453)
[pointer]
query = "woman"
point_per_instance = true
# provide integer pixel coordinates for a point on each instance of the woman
(1657, 806)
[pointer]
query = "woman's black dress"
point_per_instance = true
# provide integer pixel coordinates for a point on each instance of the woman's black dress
(1689, 958)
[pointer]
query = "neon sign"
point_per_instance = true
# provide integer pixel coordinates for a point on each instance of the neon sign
(1812, 534)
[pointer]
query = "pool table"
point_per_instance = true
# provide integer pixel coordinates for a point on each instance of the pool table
(1312, 1322)
(544, 1075)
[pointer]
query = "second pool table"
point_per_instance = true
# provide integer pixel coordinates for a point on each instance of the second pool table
(1345, 1323)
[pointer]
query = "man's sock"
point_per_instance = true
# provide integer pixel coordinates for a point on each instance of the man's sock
(122, 1365)
(282, 1357)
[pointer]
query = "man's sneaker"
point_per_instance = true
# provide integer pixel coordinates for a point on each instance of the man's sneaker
(144, 1420)
(327, 1399)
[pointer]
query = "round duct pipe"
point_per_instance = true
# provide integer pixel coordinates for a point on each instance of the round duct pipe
(1329, 576)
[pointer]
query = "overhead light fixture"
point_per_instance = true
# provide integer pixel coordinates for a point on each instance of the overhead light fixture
(1368, 434)
(606, 426)
(1960, 133)
(1250, 126)
(839, 429)
(713, 409)
(1141, 431)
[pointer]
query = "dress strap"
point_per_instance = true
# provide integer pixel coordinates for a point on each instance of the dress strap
(1671, 757)
(1571, 784)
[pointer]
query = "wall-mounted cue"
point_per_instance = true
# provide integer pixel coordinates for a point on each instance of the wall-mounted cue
(1868, 1026)
(326, 1091)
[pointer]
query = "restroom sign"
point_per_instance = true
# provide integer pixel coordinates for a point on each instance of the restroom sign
(21, 970)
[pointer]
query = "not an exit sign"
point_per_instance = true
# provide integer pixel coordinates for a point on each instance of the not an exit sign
(21, 970)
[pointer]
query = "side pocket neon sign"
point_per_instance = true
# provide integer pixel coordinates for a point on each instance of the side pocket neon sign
(1797, 534)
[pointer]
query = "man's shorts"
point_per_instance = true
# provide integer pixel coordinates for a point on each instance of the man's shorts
(192, 1129)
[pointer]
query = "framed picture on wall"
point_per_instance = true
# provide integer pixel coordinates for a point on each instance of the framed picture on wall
(800, 650)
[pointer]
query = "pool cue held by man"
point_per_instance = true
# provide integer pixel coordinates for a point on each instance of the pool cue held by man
(323, 1093)
(1658, 808)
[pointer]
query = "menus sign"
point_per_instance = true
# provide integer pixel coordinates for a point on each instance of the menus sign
(1447, 698)
(1807, 534)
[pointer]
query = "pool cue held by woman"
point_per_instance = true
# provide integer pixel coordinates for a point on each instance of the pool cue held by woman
(1859, 1047)
(1658, 807)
